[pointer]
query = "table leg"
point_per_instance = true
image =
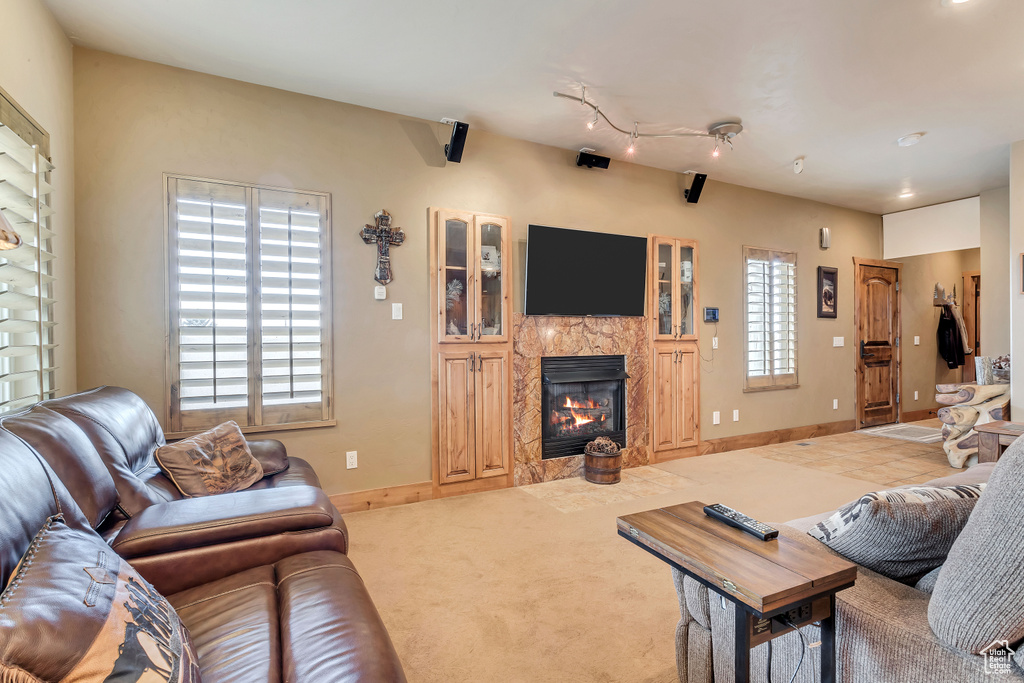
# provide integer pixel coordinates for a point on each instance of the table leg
(742, 645)
(828, 643)
(988, 447)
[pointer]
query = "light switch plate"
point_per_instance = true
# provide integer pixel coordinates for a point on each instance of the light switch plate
(735, 416)
(915, 395)
(714, 342)
(917, 341)
(380, 292)
(716, 418)
(835, 404)
(838, 341)
(396, 311)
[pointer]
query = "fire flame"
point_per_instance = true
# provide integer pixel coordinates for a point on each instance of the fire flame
(580, 419)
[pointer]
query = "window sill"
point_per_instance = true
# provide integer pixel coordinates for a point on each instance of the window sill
(260, 429)
(755, 390)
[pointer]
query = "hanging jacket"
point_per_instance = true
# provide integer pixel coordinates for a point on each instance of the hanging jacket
(951, 345)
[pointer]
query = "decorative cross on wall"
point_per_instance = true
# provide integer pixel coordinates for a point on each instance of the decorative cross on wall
(384, 236)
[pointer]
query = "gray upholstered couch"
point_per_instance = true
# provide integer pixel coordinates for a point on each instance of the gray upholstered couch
(883, 630)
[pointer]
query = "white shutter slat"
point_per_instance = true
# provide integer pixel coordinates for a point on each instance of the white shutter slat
(21, 277)
(18, 351)
(14, 326)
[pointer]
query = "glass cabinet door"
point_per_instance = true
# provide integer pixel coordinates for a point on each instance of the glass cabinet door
(664, 304)
(491, 259)
(685, 300)
(455, 277)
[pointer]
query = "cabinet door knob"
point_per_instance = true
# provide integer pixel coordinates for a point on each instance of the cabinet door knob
(472, 362)
(472, 330)
(481, 359)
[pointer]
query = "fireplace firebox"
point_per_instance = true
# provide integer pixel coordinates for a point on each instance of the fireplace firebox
(584, 398)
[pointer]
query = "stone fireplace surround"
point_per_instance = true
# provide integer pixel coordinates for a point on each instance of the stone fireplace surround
(536, 336)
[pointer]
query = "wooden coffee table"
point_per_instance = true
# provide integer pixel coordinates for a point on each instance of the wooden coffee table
(994, 437)
(763, 579)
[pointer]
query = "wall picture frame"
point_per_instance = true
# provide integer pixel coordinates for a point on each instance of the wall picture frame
(828, 292)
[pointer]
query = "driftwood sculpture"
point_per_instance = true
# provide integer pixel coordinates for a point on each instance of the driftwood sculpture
(967, 405)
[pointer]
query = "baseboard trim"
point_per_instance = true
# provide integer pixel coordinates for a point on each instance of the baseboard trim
(374, 499)
(915, 415)
(736, 443)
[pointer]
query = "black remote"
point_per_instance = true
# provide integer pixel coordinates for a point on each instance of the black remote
(741, 521)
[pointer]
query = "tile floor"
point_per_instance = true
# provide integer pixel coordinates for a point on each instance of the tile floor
(880, 460)
(569, 495)
(891, 462)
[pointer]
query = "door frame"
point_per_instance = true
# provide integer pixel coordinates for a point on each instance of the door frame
(857, 313)
(971, 295)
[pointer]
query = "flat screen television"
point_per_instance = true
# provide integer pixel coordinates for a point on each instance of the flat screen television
(574, 272)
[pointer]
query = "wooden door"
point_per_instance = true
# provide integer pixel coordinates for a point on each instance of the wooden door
(665, 428)
(686, 380)
(456, 428)
(972, 320)
(456, 277)
(491, 266)
(493, 414)
(878, 329)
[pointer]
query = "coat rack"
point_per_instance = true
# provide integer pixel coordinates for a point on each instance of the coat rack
(940, 299)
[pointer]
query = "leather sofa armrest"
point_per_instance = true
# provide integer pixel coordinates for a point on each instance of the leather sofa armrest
(212, 520)
(271, 453)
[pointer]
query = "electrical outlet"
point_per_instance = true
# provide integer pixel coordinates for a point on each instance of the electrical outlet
(838, 341)
(735, 416)
(716, 418)
(396, 311)
(797, 615)
(835, 404)
(351, 460)
(917, 341)
(714, 342)
(915, 395)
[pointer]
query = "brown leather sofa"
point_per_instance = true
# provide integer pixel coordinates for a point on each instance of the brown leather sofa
(259, 577)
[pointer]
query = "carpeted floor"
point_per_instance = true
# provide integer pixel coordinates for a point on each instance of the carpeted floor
(504, 586)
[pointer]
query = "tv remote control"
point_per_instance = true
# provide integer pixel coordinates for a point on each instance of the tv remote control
(741, 521)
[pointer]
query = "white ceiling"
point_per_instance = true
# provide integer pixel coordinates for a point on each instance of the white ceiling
(830, 80)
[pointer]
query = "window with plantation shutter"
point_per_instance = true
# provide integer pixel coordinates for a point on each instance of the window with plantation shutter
(249, 285)
(26, 268)
(770, 319)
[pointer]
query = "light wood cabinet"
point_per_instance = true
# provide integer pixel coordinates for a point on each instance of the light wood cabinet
(473, 292)
(675, 359)
(473, 436)
(674, 415)
(673, 287)
(472, 369)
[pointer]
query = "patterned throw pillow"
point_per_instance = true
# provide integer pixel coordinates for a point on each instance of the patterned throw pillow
(900, 533)
(73, 611)
(216, 461)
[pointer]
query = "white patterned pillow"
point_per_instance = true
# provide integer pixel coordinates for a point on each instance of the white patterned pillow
(900, 533)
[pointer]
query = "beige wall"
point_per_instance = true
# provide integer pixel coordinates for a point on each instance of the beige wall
(135, 120)
(923, 368)
(995, 272)
(36, 70)
(1016, 216)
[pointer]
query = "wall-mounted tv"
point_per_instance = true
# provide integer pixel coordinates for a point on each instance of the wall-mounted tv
(574, 272)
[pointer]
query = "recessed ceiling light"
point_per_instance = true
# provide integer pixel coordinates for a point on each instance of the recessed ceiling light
(947, 3)
(906, 194)
(909, 140)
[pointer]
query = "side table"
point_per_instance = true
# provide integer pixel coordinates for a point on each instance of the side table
(764, 579)
(994, 437)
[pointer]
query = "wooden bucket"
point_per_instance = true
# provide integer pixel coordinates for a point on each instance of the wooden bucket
(602, 468)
